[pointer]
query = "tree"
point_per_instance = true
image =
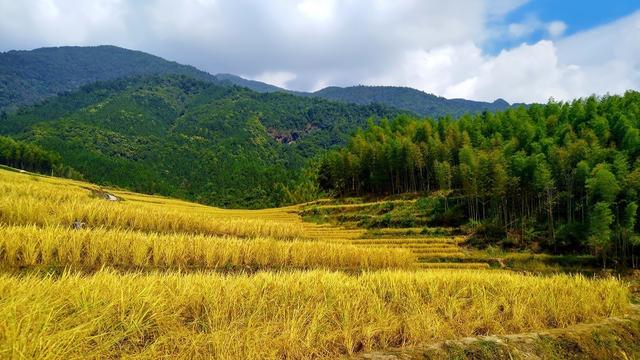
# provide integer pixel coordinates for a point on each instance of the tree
(600, 230)
(545, 185)
(602, 185)
(627, 226)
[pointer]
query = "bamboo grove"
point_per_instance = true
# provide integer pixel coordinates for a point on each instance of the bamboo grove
(564, 176)
(31, 157)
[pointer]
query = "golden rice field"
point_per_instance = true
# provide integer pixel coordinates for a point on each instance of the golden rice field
(91, 249)
(37, 200)
(148, 277)
(454, 266)
(277, 315)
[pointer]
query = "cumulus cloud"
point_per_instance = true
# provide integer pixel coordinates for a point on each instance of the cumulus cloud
(533, 24)
(599, 61)
(602, 60)
(556, 28)
(432, 45)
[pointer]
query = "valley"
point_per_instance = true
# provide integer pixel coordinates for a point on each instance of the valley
(150, 209)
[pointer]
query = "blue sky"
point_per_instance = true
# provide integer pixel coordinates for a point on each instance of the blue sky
(518, 50)
(578, 16)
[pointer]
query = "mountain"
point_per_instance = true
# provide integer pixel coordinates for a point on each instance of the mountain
(402, 98)
(177, 136)
(250, 84)
(409, 99)
(27, 77)
(130, 119)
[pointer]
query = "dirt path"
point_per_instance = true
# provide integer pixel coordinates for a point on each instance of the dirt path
(612, 338)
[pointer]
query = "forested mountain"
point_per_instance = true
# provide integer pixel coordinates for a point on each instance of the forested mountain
(251, 84)
(564, 176)
(30, 76)
(174, 135)
(403, 98)
(27, 77)
(408, 99)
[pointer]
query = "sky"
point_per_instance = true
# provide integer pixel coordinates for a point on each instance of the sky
(517, 50)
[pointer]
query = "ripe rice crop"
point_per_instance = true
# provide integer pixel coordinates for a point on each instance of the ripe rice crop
(453, 265)
(440, 255)
(42, 201)
(151, 277)
(421, 241)
(407, 246)
(452, 240)
(434, 250)
(282, 315)
(91, 249)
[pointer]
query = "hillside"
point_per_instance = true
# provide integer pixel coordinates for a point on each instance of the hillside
(250, 84)
(177, 136)
(27, 77)
(408, 99)
(560, 177)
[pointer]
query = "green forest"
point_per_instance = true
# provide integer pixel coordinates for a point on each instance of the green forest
(27, 77)
(408, 99)
(561, 177)
(177, 136)
(30, 157)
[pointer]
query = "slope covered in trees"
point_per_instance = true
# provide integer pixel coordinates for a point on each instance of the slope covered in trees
(564, 176)
(408, 99)
(27, 77)
(254, 85)
(30, 157)
(177, 136)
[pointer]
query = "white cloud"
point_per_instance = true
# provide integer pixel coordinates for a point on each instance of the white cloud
(524, 28)
(432, 45)
(317, 10)
(499, 8)
(526, 73)
(556, 28)
(532, 24)
(599, 61)
(277, 78)
(519, 30)
(435, 70)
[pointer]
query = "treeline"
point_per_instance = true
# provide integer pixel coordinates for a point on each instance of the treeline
(30, 157)
(565, 176)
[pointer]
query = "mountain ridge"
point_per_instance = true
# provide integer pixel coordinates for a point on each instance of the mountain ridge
(407, 98)
(30, 76)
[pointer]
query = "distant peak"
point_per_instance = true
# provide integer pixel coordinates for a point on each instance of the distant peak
(501, 102)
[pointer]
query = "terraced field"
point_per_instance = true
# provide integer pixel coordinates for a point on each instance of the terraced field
(87, 272)
(434, 247)
(438, 247)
